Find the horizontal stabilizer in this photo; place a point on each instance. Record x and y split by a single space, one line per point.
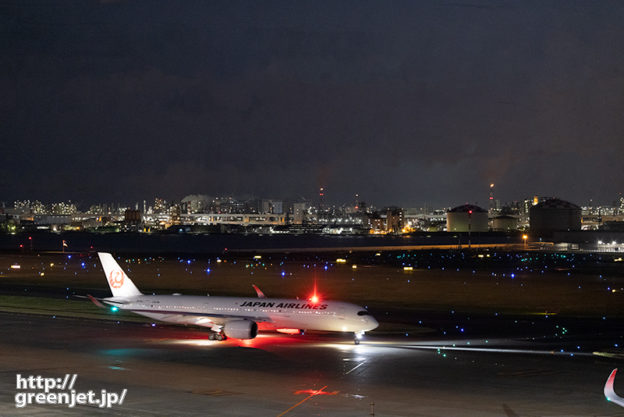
95 301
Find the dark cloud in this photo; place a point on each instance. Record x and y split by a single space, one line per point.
404 102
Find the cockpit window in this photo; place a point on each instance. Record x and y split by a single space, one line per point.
362 313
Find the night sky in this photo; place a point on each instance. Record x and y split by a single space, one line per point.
405 103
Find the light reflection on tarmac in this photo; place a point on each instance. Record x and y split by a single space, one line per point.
178 371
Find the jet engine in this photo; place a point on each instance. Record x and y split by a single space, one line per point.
241 329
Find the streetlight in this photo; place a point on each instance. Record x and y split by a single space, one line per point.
524 239
469 226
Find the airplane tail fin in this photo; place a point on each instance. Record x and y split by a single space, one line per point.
119 282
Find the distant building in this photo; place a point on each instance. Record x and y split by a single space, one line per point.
160 205
132 216
376 222
271 207
554 215
52 219
467 218
195 203
613 226
63 208
394 220
299 213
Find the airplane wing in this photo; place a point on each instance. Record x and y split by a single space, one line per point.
609 392
198 319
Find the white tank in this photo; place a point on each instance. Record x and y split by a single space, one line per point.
504 223
467 218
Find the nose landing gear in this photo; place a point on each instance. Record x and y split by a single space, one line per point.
357 336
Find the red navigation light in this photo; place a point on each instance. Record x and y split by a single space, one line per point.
29 237
314 298
21 246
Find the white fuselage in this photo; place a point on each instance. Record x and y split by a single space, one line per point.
271 313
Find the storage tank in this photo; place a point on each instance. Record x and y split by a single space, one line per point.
554 215
504 223
467 218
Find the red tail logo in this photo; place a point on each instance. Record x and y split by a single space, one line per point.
116 278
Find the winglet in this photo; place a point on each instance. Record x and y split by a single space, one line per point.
258 291
609 392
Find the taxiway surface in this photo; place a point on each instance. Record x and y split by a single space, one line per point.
176 371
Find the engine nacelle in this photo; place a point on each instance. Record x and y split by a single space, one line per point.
241 329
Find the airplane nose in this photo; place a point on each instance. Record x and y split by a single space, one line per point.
372 323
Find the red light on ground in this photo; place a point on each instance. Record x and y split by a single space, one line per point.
247 342
21 246
29 237
469 211
288 331
316 392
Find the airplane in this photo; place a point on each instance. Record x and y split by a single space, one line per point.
233 316
609 392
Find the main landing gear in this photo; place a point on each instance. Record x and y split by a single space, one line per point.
217 336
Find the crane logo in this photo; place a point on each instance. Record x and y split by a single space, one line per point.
116 278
